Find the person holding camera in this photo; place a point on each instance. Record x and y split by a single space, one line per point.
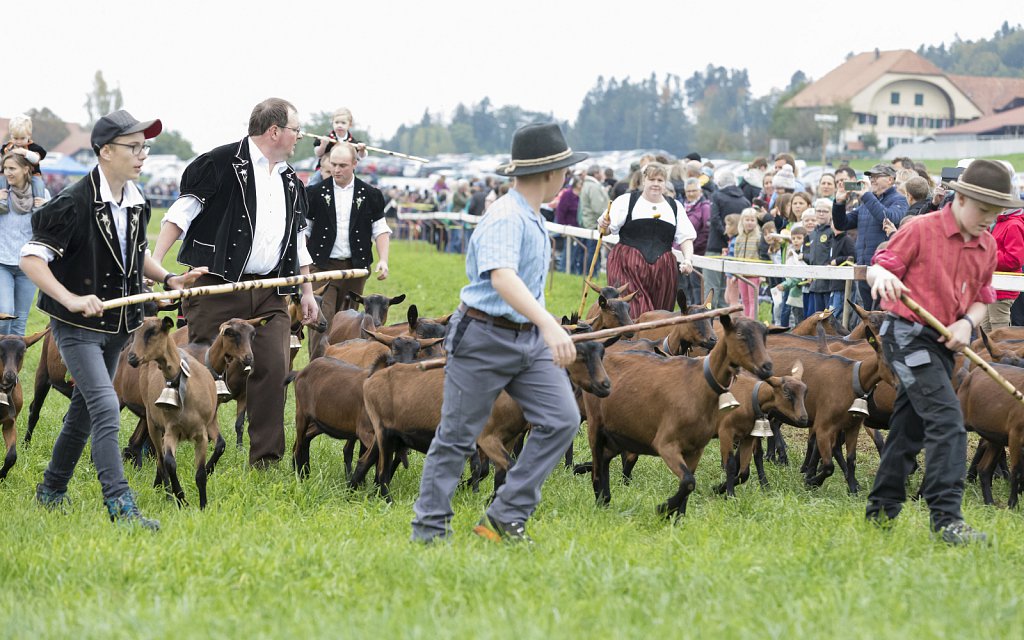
879 201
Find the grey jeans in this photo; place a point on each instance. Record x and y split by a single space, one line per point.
91 358
482 360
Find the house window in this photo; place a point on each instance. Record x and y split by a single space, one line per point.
894 97
918 99
892 120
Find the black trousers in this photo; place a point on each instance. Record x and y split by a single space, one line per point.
926 415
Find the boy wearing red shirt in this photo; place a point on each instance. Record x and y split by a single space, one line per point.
945 260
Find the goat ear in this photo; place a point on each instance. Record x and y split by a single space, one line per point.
35 337
994 351
355 297
612 340
593 286
320 291
822 341
412 316
443 319
726 321
774 381
259 322
397 299
424 344
798 370
861 311
380 337
602 302
681 300
166 324
709 298
629 297
564 321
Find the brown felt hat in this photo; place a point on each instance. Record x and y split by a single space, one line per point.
989 182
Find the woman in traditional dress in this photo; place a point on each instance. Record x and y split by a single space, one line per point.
654 235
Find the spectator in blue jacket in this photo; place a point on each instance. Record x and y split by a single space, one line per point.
879 201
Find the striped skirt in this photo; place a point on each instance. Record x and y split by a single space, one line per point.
655 284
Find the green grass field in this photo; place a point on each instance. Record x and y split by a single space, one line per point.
273 557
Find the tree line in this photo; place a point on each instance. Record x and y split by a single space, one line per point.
712 111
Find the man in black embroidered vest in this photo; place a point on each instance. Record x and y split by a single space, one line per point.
241 214
89 245
345 215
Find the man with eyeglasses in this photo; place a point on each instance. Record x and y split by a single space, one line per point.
879 201
241 214
89 245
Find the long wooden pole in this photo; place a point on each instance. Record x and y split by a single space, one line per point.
265 283
386 152
593 263
435 363
934 323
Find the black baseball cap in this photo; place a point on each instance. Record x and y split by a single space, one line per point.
881 170
121 123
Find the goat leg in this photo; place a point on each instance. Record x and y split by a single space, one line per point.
11 442
348 451
762 477
171 467
629 460
777 443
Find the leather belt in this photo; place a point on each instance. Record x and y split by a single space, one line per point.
245 277
497 321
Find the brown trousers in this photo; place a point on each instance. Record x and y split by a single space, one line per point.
265 391
336 294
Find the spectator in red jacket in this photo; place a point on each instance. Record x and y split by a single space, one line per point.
1009 234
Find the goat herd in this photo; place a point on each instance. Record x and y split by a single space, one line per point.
663 392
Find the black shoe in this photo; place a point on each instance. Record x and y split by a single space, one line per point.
960 534
495 531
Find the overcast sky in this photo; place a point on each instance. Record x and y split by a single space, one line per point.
202 65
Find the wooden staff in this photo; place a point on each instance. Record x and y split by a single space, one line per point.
386 152
934 323
593 262
435 363
265 283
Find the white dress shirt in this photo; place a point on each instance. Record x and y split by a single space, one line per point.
342 249
269 232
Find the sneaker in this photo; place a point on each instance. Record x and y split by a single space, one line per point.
123 510
495 531
960 533
52 500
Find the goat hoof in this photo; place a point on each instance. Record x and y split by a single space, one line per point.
582 468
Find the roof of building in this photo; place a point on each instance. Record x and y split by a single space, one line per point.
990 94
850 78
987 124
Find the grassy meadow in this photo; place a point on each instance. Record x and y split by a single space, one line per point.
275 557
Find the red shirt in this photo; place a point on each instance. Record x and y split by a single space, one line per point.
944 273
1009 234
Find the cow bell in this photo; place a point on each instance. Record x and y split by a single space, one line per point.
762 428
223 393
727 401
168 397
3 399
859 407
295 343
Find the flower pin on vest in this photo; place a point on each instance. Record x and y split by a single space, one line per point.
359 202
105 221
245 175
327 198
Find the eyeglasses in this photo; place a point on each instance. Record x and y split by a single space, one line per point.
297 131
136 148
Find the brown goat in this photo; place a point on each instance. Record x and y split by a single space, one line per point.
667 407
229 358
830 393
778 396
12 358
166 366
999 419
679 339
404 407
51 373
350 323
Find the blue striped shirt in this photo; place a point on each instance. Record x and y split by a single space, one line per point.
511 235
